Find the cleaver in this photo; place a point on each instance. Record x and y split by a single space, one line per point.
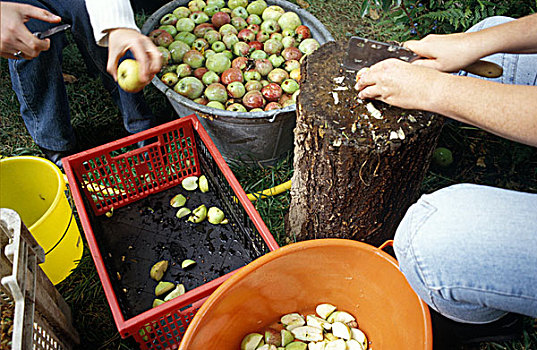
365 52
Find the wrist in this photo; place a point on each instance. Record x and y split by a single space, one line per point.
433 98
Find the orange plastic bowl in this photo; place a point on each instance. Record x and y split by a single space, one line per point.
356 277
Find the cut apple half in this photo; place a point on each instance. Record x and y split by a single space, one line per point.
190 183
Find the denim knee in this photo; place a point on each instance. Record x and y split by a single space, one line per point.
456 247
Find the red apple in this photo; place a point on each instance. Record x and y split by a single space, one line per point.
254 28
246 35
240 63
302 32
160 37
230 75
263 66
284 98
220 18
291 53
253 99
256 45
201 29
272 105
198 72
272 92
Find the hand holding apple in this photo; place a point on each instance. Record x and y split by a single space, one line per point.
147 55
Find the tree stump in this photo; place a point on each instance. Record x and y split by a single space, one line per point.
357 166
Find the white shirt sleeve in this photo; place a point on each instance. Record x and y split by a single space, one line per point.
109 14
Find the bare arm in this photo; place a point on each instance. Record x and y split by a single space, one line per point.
451 52
505 110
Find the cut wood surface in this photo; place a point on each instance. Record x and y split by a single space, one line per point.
358 165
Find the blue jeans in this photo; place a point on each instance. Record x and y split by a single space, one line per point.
39 84
470 251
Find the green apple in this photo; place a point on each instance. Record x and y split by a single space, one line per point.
236 3
186 37
215 104
273 12
289 20
218 63
181 12
257 7
128 76
190 87
177 50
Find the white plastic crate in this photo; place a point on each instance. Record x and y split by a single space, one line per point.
41 317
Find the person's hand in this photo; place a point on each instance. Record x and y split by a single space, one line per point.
146 53
15 36
398 83
446 53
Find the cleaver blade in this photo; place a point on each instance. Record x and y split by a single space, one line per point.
363 52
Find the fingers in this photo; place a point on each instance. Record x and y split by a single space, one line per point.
113 60
38 13
370 92
149 58
143 49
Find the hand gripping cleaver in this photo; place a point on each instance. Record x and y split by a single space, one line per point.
365 52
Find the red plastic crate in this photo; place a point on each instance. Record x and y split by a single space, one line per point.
120 175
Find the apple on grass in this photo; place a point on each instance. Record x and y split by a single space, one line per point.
128 76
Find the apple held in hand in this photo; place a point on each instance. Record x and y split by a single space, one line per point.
128 76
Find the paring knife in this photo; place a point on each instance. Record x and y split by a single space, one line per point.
52 31
365 52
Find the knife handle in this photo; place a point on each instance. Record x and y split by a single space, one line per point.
484 69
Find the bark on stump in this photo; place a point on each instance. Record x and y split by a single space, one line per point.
355 172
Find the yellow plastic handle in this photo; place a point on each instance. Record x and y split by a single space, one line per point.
270 191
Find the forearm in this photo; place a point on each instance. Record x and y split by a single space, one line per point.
509 111
518 36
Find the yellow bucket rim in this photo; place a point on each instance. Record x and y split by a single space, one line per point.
59 176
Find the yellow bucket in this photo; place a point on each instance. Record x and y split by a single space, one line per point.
35 188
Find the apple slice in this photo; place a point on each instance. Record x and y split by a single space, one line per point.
215 215
179 290
204 184
338 344
286 337
190 183
340 316
267 347
341 330
293 319
199 214
314 321
178 201
187 263
324 310
251 341
181 213
308 333
317 345
163 288
157 302
273 337
296 345
354 345
157 271
359 336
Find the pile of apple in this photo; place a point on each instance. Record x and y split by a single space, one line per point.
240 57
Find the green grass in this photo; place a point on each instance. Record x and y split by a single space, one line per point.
479 158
